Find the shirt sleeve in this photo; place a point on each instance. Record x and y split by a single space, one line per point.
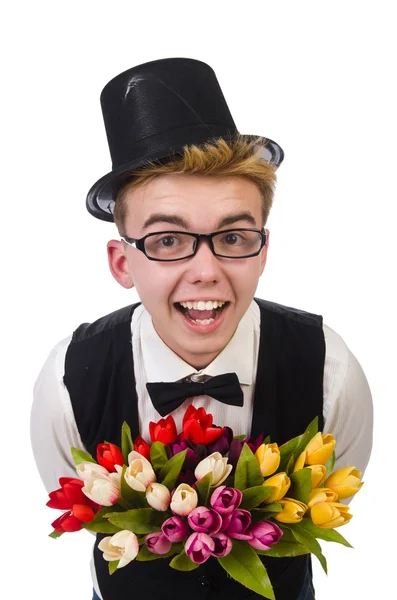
53 429
348 410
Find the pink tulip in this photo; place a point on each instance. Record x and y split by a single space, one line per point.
264 535
225 499
205 520
158 543
175 529
199 547
223 544
238 525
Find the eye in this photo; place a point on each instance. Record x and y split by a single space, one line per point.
167 241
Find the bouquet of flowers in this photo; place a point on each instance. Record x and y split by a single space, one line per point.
204 494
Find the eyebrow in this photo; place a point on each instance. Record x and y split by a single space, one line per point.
181 222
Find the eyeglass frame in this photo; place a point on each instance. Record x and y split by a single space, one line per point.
139 244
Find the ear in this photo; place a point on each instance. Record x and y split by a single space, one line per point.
118 264
264 250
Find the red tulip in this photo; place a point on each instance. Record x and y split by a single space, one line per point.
197 426
142 447
109 455
70 497
163 431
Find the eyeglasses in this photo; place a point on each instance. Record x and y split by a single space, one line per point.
177 245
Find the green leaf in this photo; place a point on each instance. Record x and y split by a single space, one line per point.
182 562
287 451
127 445
282 549
171 470
248 473
100 524
301 485
329 535
113 566
244 565
265 512
158 455
203 487
254 496
79 456
55 534
240 437
305 538
138 520
144 553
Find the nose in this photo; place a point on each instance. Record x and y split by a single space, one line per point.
204 265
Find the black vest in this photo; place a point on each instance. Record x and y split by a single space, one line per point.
99 376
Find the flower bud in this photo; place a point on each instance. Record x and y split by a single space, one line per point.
321 495
268 457
216 464
319 473
175 529
345 482
99 485
292 512
264 534
139 473
223 544
205 520
184 500
122 546
238 523
225 499
199 547
158 543
320 449
280 484
330 514
158 496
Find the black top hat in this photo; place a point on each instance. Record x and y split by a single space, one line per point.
152 111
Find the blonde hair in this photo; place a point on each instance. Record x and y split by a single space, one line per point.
239 157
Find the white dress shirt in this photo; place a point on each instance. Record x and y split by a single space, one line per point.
347 404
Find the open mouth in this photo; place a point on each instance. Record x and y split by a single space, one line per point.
201 317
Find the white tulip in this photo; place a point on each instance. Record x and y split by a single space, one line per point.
184 500
139 473
122 546
100 486
158 496
216 464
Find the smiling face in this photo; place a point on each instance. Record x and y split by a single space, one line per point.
201 203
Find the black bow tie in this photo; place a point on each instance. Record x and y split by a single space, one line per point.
166 397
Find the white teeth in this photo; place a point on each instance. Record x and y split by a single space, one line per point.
200 305
204 322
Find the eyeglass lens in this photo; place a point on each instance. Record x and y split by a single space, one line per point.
168 246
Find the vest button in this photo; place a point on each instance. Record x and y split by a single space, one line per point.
203 580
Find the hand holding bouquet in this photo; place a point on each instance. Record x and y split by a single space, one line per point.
204 494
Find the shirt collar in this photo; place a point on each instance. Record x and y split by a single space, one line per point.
162 364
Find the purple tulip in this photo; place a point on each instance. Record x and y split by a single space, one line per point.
264 535
158 543
199 547
192 459
238 525
222 444
223 544
204 520
175 529
236 447
225 499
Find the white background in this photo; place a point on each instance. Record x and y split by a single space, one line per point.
319 78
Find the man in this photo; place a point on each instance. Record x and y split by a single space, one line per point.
190 197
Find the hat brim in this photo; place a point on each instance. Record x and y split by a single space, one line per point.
102 195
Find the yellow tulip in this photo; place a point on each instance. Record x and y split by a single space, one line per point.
280 484
321 495
320 449
345 482
330 514
293 511
317 451
268 457
319 473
